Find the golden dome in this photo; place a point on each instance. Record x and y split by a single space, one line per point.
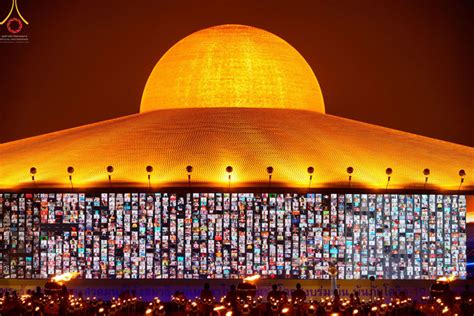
232 66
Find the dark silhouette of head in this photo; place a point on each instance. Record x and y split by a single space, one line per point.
298 286
206 286
274 287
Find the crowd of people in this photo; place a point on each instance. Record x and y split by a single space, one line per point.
240 300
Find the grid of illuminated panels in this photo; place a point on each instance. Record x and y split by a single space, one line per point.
230 235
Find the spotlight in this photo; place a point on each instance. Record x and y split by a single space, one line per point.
229 170
270 171
350 170
70 170
388 172
110 169
33 172
189 169
462 174
310 172
426 172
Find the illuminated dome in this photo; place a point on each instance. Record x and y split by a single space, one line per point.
232 66
233 96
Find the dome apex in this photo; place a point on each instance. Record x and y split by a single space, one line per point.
232 66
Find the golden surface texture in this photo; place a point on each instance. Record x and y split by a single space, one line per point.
249 140
232 66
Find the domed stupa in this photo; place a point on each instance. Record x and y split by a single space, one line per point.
237 96
232 66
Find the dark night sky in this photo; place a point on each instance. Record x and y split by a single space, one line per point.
406 65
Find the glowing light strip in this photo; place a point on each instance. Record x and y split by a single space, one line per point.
14 5
9 13
19 14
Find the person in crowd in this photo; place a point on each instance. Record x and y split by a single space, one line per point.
38 294
320 311
6 297
178 303
380 295
206 299
356 297
124 295
206 293
466 294
298 295
64 292
178 295
352 299
283 295
232 296
466 306
403 295
336 301
274 295
246 290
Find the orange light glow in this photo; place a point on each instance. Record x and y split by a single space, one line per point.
232 66
219 308
65 277
445 279
252 278
249 140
